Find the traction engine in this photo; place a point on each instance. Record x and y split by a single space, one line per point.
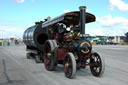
63 41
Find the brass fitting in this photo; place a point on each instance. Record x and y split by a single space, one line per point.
82 7
66 65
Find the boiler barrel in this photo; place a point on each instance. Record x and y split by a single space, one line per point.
35 37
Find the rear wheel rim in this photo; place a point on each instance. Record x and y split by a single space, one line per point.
47 58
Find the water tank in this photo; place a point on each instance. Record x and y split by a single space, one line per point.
35 37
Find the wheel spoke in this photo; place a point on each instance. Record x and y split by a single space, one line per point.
69 70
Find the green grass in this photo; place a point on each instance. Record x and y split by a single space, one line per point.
124 43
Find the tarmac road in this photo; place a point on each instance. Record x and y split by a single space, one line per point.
15 69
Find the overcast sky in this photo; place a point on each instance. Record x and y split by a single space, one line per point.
18 15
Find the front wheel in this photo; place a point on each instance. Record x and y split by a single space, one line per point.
97 66
69 65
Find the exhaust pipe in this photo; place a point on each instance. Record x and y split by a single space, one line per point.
82 21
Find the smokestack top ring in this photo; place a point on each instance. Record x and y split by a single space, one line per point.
82 7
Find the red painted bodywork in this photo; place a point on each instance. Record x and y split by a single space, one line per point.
61 53
55 36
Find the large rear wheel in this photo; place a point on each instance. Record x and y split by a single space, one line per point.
49 59
69 65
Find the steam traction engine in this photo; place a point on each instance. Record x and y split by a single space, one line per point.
64 42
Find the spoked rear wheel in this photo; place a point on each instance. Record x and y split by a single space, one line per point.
69 65
49 60
97 66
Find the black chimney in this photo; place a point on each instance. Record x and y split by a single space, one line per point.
82 21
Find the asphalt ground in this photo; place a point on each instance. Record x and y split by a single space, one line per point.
16 69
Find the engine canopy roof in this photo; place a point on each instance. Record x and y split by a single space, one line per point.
70 18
